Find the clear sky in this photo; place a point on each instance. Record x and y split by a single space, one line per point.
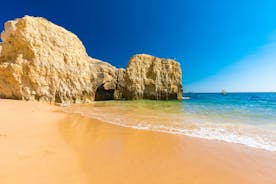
220 44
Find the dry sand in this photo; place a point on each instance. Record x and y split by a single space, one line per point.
39 144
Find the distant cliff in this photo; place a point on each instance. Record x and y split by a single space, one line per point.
42 61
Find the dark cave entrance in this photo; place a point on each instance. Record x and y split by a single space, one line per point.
103 94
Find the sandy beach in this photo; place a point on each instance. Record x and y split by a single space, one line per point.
40 144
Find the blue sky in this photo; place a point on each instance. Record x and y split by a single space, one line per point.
220 44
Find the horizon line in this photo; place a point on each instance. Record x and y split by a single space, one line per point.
231 92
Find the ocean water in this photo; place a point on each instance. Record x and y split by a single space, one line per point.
243 118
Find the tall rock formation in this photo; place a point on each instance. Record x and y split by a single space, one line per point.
149 77
43 61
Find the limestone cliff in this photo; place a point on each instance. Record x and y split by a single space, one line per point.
42 61
110 80
45 62
120 84
149 77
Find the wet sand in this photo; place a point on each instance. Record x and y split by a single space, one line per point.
39 144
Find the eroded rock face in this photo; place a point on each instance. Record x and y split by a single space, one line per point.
149 77
43 61
110 80
119 92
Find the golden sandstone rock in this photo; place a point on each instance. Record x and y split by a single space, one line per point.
110 80
149 77
42 61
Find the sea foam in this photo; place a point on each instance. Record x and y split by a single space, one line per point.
211 133
247 119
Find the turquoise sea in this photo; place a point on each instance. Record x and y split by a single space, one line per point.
243 118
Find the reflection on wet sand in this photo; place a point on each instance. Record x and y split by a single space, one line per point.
114 154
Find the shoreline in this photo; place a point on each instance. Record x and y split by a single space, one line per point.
176 132
110 112
41 144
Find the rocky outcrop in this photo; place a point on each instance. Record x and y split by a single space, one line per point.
110 80
120 84
42 61
149 77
